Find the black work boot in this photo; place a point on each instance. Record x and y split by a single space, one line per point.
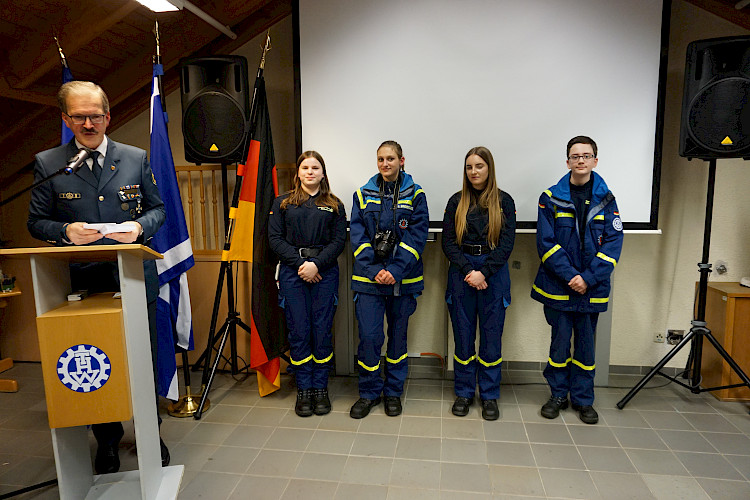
490 411
551 408
461 406
362 407
392 406
304 406
586 413
321 402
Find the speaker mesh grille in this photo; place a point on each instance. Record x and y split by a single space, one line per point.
719 111
213 119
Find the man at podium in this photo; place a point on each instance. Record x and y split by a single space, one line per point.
113 185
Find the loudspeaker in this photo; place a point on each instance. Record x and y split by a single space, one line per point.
215 108
715 119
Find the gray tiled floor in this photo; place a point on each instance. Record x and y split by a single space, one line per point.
667 444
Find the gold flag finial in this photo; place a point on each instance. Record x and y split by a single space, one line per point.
62 55
266 48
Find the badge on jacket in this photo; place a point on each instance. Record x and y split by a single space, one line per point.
69 196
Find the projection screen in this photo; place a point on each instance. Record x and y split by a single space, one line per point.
519 77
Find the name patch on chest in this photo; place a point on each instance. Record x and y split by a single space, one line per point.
69 196
327 209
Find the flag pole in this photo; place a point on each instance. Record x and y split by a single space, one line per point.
187 404
62 54
228 329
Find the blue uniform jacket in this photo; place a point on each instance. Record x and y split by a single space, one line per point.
412 225
78 197
564 255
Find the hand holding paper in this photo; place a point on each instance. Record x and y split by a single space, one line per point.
126 232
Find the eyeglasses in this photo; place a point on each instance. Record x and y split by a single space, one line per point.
81 119
577 157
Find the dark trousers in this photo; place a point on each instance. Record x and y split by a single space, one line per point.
571 374
370 310
309 310
465 305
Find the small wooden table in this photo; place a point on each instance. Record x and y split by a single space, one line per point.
728 318
7 385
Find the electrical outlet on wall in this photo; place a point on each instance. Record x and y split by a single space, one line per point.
674 337
659 337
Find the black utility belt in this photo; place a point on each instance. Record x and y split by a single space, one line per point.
307 253
476 249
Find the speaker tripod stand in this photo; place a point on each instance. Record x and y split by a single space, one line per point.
699 330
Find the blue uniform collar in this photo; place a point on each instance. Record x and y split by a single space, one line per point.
599 190
372 184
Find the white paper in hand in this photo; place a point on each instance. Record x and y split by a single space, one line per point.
111 227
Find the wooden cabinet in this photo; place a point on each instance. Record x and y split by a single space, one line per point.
728 318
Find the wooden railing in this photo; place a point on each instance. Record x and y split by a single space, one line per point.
202 193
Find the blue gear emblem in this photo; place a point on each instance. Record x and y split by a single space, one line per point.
83 368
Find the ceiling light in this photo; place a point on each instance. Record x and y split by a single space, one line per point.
159 5
172 5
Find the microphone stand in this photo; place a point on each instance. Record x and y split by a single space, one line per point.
63 170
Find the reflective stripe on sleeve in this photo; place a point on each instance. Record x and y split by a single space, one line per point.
361 247
550 252
607 258
564 214
598 300
410 249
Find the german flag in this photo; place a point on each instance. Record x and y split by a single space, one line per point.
249 243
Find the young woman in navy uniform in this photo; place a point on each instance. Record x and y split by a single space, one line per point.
307 229
479 228
389 228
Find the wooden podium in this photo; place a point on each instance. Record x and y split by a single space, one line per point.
93 352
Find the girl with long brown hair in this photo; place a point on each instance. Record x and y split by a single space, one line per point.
479 228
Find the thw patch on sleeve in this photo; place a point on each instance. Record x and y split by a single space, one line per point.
617 224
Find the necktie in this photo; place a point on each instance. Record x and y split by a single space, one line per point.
95 168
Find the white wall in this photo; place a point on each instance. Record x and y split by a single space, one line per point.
654 281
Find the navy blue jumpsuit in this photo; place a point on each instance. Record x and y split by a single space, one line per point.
308 307
465 303
373 209
567 251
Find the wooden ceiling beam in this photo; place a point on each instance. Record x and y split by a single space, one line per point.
725 10
40 54
26 95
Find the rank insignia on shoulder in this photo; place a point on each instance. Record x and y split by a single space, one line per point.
153 179
327 209
69 196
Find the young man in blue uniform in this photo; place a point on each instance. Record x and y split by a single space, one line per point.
579 239
115 186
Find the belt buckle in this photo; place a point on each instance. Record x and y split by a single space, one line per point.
476 250
299 251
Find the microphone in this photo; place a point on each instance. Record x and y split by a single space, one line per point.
76 161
